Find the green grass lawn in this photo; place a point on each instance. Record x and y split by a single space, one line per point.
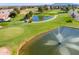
14 21
54 11
17 32
50 12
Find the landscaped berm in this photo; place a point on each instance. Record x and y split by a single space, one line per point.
40 30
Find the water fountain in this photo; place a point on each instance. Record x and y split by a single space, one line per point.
61 41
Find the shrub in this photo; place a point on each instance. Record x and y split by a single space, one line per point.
12 14
4 24
17 10
40 9
30 13
69 21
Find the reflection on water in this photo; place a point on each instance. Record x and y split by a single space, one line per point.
64 51
63 41
73 46
51 42
74 40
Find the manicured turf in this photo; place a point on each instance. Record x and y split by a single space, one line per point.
10 33
21 31
50 12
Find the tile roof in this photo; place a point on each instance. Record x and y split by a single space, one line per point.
5 13
4 16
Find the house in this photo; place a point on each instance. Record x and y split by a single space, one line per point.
4 14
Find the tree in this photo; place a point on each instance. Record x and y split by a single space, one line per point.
45 7
66 9
17 10
40 9
30 20
69 21
30 13
26 16
51 7
23 7
12 14
69 6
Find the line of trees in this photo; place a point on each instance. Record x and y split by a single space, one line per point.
43 8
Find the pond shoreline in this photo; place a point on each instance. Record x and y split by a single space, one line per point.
46 20
31 40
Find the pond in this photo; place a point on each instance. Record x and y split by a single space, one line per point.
60 41
41 18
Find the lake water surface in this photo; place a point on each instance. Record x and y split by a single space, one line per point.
41 18
49 44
